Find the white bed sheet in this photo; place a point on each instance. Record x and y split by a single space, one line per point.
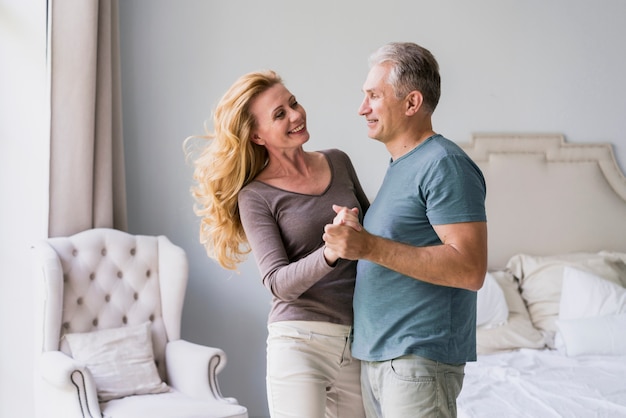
543 383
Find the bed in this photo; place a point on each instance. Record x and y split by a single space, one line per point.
551 318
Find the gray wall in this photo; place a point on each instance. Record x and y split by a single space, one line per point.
507 66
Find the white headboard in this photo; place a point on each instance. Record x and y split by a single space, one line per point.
546 197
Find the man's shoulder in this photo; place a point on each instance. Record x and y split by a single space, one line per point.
445 146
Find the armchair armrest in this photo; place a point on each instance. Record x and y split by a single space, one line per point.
68 382
193 369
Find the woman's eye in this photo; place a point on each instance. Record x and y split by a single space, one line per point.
294 105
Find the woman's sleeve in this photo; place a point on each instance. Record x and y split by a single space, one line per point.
358 189
286 280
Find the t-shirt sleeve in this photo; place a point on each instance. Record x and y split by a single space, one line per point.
454 191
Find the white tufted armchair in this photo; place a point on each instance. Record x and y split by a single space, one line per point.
103 282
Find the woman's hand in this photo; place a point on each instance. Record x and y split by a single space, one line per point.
348 217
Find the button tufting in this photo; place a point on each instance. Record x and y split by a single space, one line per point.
136 296
74 252
92 276
132 251
152 317
66 325
65 277
104 251
95 322
124 319
148 273
107 298
120 274
79 301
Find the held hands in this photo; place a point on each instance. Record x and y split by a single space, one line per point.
344 237
348 217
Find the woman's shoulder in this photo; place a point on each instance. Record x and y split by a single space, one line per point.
252 190
335 153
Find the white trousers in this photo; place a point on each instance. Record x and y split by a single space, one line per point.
311 372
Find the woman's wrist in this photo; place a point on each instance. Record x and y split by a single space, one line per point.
330 257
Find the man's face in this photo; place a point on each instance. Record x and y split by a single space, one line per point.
382 110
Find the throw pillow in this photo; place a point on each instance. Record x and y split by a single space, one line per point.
121 360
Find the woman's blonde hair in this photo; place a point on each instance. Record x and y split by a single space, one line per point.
226 163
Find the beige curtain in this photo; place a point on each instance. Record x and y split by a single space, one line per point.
87 182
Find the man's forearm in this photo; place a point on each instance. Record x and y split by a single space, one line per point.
455 264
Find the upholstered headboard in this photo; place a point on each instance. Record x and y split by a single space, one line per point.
545 196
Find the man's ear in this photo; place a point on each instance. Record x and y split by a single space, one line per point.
414 101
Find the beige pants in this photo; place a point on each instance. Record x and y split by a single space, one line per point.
411 387
311 372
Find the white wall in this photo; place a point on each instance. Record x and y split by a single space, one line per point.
23 187
507 66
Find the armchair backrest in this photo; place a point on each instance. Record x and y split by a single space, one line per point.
104 278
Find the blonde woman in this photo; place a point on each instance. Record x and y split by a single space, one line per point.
258 189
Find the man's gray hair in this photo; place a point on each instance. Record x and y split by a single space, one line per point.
412 68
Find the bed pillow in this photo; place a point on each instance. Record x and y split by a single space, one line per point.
602 335
592 315
518 331
586 295
121 360
541 280
491 307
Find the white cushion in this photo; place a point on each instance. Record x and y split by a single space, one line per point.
585 294
121 360
518 331
541 279
491 307
602 335
172 404
592 315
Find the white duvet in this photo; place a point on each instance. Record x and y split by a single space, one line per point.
543 383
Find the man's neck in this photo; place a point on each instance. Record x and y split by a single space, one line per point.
404 145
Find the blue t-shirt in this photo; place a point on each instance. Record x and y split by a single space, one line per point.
395 315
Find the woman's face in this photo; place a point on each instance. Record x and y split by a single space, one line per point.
280 120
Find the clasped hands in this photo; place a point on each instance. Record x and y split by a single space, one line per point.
345 237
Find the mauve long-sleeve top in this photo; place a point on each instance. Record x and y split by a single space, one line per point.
285 231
